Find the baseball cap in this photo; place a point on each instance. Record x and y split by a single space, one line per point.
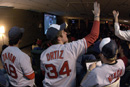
54 29
108 48
15 32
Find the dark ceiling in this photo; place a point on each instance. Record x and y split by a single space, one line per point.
72 8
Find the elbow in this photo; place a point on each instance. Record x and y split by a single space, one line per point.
117 33
95 36
31 76
91 38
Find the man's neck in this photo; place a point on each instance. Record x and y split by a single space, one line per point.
14 45
109 62
60 42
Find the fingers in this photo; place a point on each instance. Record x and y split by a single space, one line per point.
117 12
95 64
114 12
92 66
96 10
96 4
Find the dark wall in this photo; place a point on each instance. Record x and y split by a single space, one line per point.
28 20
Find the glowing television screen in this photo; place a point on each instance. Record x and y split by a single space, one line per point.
48 20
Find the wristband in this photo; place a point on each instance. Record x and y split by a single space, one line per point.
96 16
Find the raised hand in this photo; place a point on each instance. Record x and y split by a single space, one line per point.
96 10
115 14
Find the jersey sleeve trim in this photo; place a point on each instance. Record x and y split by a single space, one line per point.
31 76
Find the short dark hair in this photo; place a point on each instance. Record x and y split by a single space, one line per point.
59 34
15 41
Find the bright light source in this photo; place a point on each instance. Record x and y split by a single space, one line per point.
1 35
2 30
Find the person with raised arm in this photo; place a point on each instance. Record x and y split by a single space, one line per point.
124 35
58 62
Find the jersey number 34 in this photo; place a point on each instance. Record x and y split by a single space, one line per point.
54 74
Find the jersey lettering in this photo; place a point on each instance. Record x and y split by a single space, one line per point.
117 74
52 73
61 52
55 55
9 56
11 70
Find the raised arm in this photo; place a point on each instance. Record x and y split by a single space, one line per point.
124 35
115 14
93 36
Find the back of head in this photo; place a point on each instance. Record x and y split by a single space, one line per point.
108 48
15 34
54 29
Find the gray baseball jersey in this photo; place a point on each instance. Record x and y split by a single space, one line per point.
104 75
59 63
17 65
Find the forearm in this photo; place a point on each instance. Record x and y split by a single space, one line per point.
93 36
116 19
85 76
89 80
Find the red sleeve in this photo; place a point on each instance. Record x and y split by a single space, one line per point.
93 36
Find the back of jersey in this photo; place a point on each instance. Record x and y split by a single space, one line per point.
59 64
13 60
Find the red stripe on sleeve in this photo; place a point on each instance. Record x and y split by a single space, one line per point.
31 76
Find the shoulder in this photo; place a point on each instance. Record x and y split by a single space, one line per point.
100 69
120 61
97 70
76 43
23 55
